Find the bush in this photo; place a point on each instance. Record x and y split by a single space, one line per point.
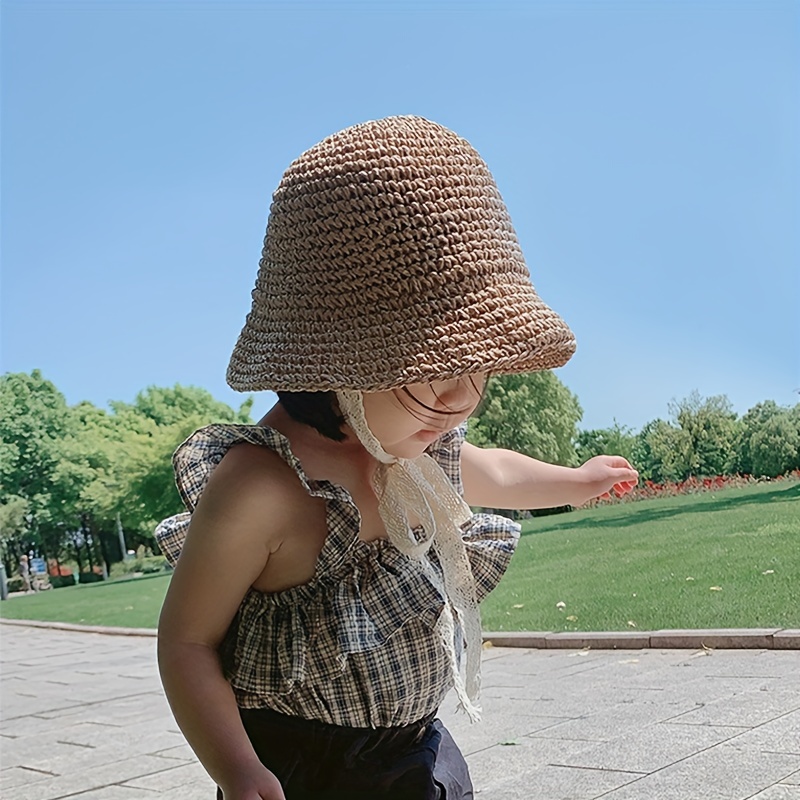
15 584
147 565
54 569
89 577
57 581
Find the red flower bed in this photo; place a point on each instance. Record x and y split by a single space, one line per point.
647 490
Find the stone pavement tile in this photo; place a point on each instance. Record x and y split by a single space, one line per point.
111 714
615 721
606 677
778 791
723 772
763 663
525 664
32 725
19 776
61 753
196 790
131 739
60 701
113 792
181 753
119 711
503 766
66 706
781 735
699 671
505 678
793 779
17 704
62 758
701 692
43 753
84 779
549 783
538 701
647 749
173 779
746 709
497 729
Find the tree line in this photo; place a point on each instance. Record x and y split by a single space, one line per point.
73 478
702 438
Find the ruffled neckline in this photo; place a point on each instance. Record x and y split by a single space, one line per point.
208 445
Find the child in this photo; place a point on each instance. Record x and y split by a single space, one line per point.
330 568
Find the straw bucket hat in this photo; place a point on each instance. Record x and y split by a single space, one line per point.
390 259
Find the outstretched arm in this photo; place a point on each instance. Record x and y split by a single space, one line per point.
495 478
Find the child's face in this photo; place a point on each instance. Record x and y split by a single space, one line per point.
407 420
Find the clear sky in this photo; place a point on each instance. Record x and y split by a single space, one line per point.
649 154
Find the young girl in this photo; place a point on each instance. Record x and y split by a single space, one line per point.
330 567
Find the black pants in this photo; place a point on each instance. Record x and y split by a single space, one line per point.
315 761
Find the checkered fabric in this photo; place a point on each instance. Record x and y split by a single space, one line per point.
356 645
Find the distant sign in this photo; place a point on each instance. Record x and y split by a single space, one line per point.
38 566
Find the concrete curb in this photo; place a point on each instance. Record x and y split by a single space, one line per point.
720 638
69 626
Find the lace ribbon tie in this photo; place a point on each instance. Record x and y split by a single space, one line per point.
402 484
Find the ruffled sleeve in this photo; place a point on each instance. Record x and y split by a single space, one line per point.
490 539
197 458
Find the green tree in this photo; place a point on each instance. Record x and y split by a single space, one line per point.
178 404
67 474
661 452
618 440
14 512
534 414
34 424
699 441
710 433
769 440
151 429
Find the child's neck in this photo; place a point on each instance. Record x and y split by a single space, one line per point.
320 456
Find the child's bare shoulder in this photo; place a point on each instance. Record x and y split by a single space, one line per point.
253 492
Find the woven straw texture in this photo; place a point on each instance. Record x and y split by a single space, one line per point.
390 259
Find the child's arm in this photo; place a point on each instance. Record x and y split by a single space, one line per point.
234 531
507 479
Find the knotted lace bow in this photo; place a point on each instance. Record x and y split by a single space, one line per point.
403 484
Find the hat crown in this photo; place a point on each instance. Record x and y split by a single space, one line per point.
389 256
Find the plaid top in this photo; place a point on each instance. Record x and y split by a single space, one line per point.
356 645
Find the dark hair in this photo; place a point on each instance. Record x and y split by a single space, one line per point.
404 392
320 410
316 409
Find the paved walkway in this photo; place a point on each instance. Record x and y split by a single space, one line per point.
83 716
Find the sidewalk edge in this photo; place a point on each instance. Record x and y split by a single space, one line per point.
715 638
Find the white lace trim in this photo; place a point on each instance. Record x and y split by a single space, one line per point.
402 484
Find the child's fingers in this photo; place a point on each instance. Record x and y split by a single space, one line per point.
623 487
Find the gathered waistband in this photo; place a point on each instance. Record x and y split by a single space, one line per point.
265 726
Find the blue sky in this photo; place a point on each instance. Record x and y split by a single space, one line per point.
649 154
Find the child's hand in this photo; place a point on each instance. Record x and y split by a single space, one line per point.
257 783
603 474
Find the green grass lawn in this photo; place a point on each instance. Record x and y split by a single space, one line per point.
125 603
610 566
652 564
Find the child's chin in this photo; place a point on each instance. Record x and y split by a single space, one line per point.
408 449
